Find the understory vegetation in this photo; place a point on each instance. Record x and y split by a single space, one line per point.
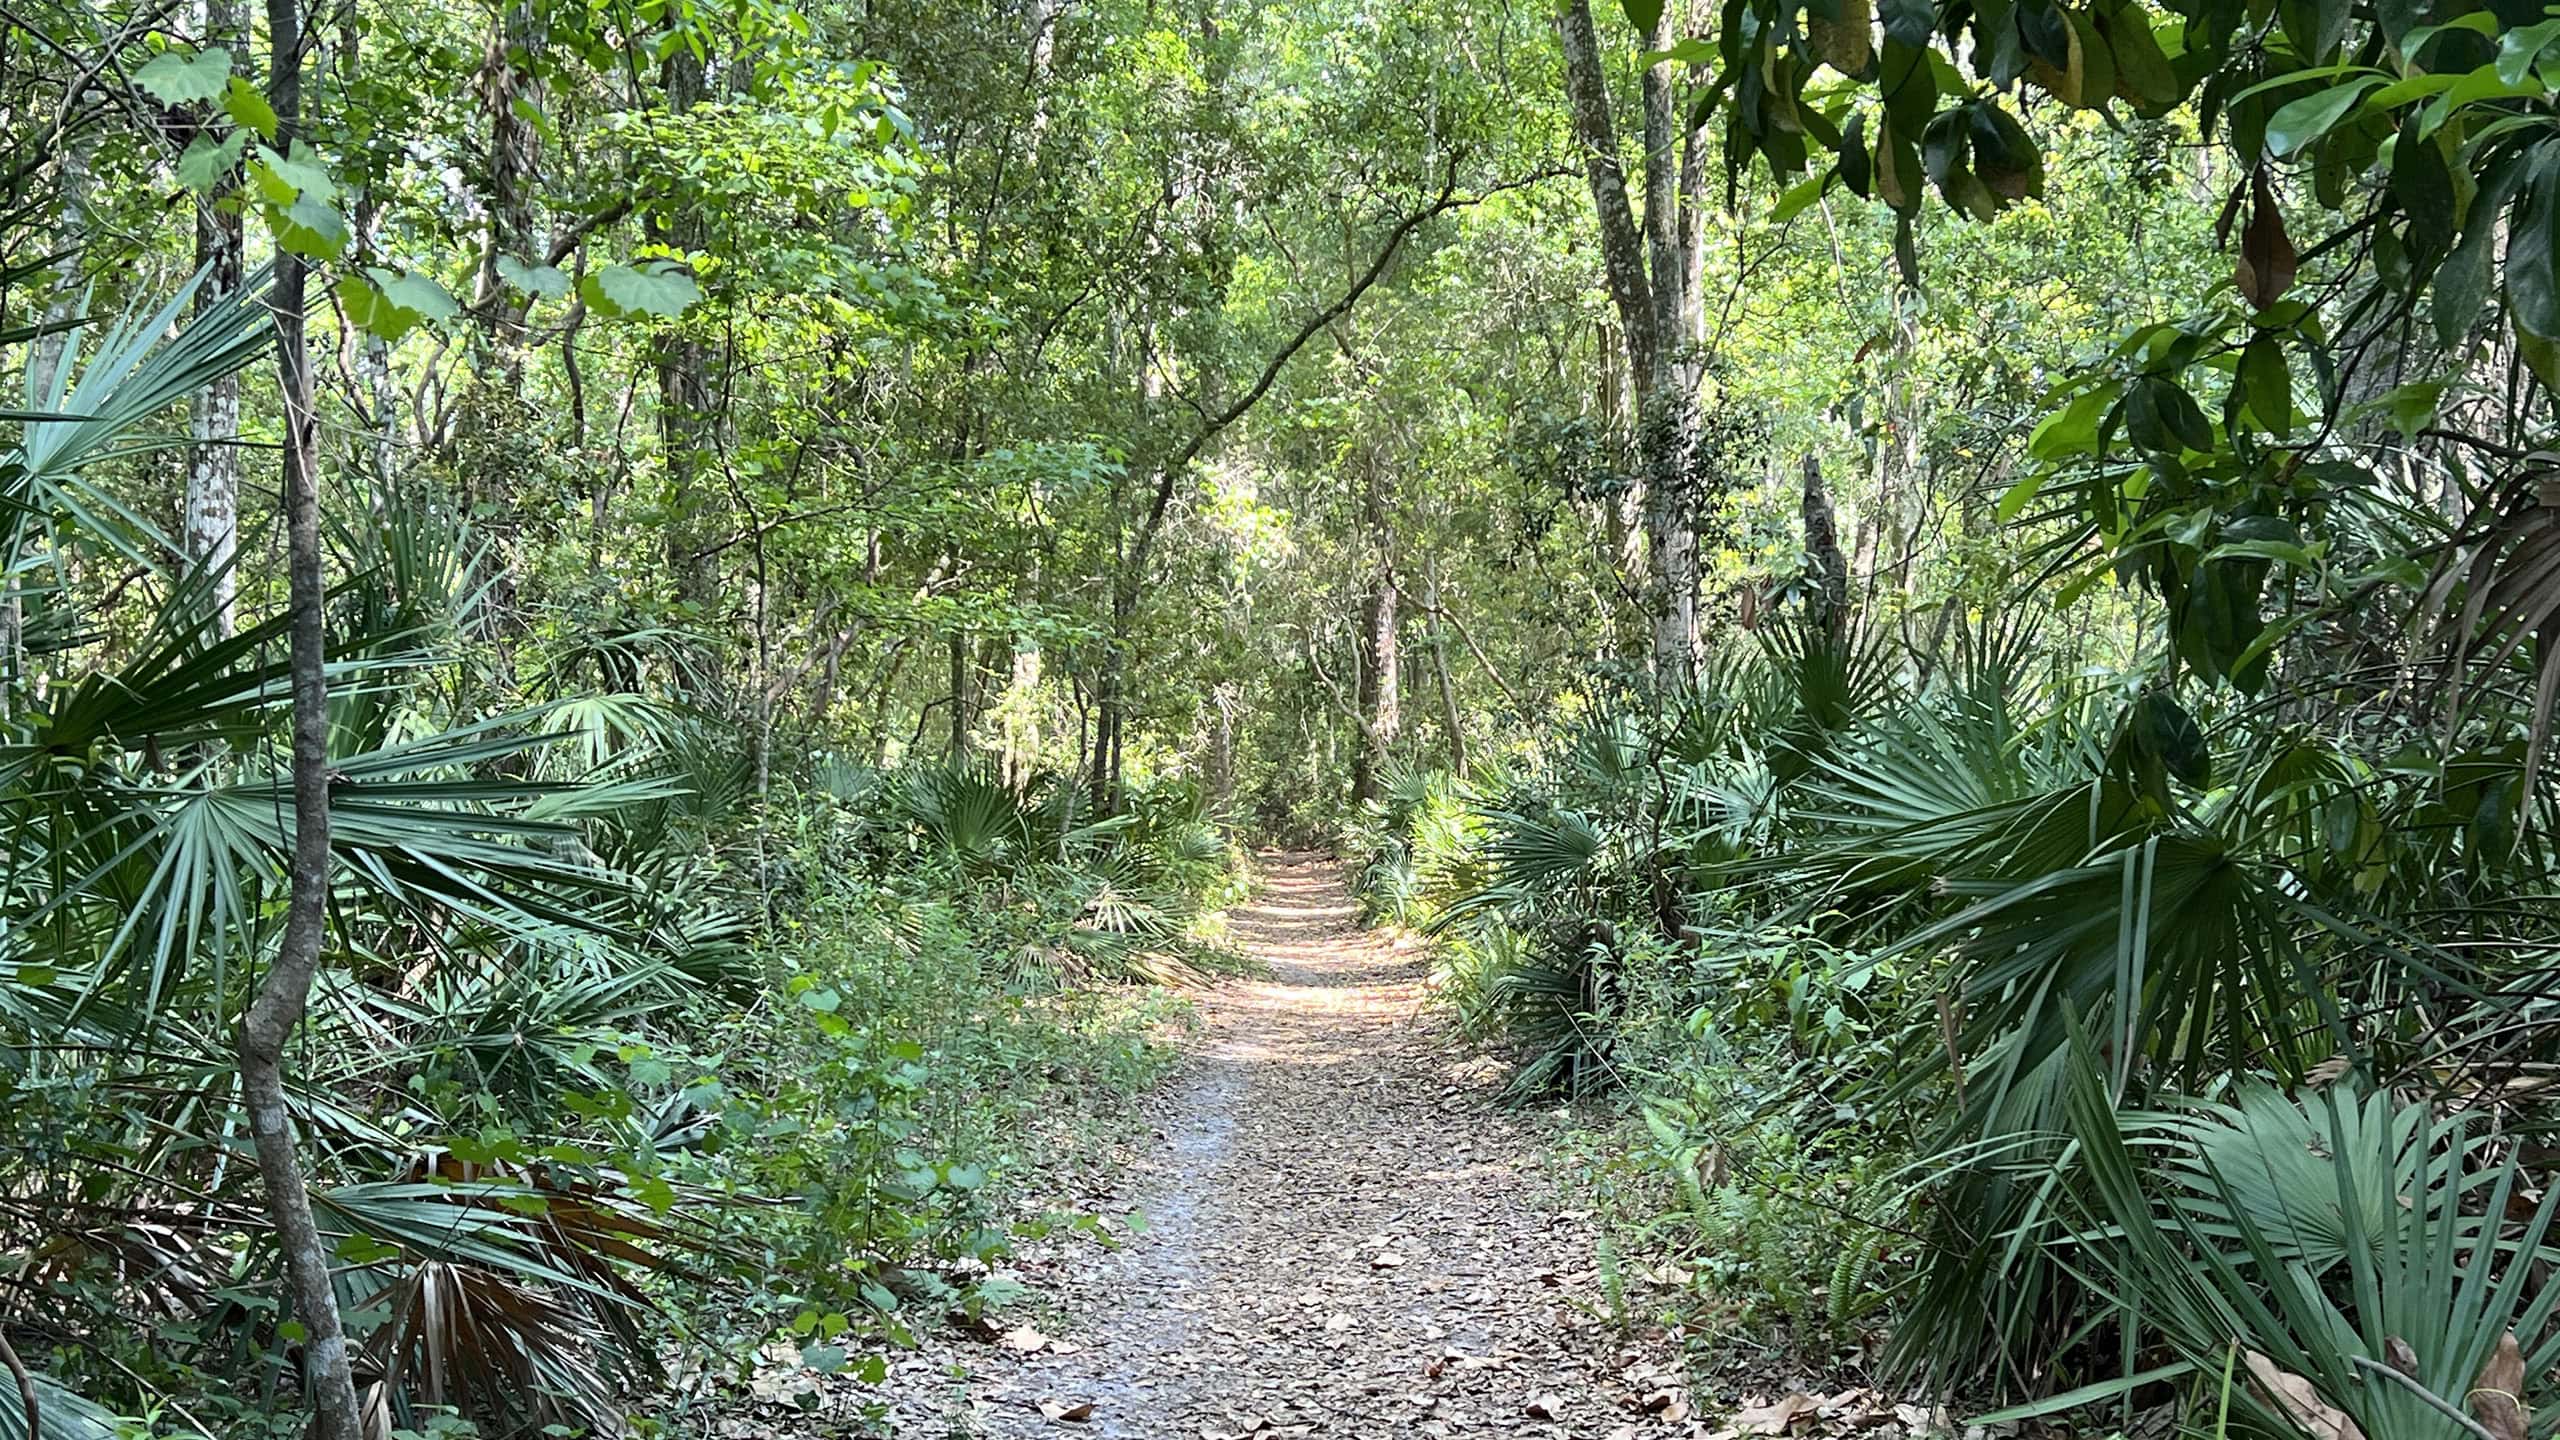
641 643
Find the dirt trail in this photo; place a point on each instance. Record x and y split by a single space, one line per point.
1342 1240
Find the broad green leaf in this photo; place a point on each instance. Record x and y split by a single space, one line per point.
249 108
1800 197
2314 115
208 162
546 281
2018 496
2413 407
180 78
622 291
2519 49
2533 253
1644 15
2462 281
416 293
285 179
311 228
2269 385
2479 22
2073 430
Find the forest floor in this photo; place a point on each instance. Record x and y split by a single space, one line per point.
1343 1237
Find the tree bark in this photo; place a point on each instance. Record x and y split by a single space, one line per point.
1222 750
211 530
685 407
959 696
1826 570
1650 270
1380 689
1449 718
286 990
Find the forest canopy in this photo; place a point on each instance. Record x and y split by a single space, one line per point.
639 640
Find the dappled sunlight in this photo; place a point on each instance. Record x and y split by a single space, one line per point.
1341 1238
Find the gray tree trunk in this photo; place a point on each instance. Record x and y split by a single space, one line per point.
285 992
211 528
685 407
1380 698
1651 271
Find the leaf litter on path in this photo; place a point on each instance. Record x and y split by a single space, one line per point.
1344 1239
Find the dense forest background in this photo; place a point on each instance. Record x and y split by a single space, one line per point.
638 637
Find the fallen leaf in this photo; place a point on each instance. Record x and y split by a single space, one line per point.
2300 1401
1544 1407
2497 1397
1025 1339
1776 1419
1072 1414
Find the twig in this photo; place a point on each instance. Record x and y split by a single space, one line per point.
2434 1401
26 1387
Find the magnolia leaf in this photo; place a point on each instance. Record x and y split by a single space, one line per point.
2267 260
2497 1396
2533 254
2268 383
2314 115
178 78
2018 496
1800 197
2144 75
1848 43
2300 1401
2168 734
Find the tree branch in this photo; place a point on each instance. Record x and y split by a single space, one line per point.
1170 474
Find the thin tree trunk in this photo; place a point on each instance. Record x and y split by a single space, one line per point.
1222 749
685 407
1826 570
286 991
1381 701
1449 719
211 532
1649 268
959 696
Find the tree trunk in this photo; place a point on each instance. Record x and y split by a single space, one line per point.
1222 750
211 530
1651 270
1380 698
959 696
1826 570
685 407
286 990
1449 719
1018 714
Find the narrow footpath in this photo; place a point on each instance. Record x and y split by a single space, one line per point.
1342 1238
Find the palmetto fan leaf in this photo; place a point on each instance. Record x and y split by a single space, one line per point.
156 873
2504 571
2383 1271
130 377
966 811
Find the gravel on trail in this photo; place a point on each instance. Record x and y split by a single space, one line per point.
1343 1237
